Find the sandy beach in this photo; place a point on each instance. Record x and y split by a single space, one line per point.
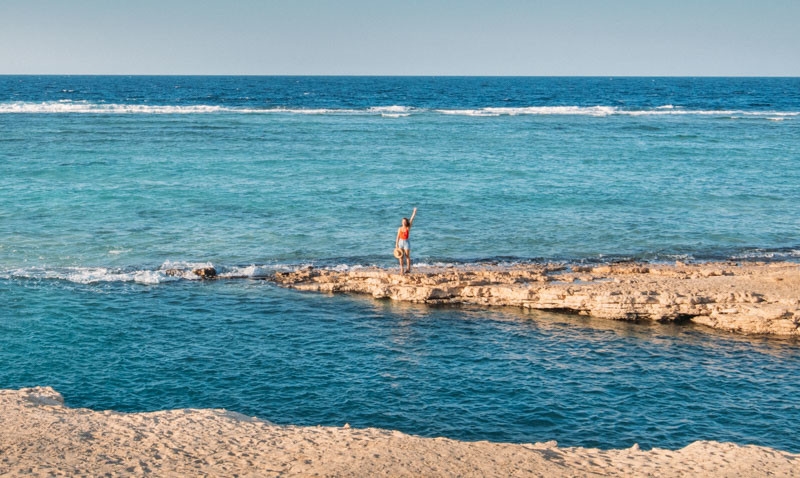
747 298
42 437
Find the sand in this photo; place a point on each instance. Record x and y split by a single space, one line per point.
42 437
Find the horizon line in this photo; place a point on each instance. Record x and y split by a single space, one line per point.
347 75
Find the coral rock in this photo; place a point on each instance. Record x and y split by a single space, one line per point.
753 298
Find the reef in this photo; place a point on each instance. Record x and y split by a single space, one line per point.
748 298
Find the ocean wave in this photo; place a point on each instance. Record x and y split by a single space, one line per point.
393 111
89 275
85 107
94 275
767 255
65 106
602 111
169 271
302 111
534 110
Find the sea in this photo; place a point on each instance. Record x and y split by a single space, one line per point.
106 182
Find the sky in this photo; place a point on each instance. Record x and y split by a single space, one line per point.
402 37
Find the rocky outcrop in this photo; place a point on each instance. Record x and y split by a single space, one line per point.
750 298
205 272
201 272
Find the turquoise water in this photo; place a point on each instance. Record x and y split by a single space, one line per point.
108 181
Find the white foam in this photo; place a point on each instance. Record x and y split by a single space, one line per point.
252 271
100 274
89 275
85 107
65 106
757 254
152 277
535 110
393 111
305 111
168 272
467 112
94 275
735 114
602 111
83 275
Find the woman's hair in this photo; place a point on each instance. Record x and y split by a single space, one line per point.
406 221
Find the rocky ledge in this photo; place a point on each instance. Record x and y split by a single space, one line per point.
748 298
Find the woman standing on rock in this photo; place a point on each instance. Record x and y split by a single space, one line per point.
402 244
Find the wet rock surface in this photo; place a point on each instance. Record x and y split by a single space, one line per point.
200 272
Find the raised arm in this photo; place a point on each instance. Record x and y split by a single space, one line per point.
411 221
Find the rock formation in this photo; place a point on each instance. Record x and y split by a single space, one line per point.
201 272
749 298
205 272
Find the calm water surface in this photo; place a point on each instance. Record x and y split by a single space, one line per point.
108 181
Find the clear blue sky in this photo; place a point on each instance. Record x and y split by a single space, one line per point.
402 37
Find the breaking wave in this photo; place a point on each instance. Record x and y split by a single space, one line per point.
600 111
85 107
393 111
167 272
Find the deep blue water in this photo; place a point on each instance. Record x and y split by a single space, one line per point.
108 181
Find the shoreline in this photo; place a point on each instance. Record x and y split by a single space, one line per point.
750 298
42 437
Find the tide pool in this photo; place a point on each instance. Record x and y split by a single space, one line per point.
465 373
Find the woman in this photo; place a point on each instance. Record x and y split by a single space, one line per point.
403 243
